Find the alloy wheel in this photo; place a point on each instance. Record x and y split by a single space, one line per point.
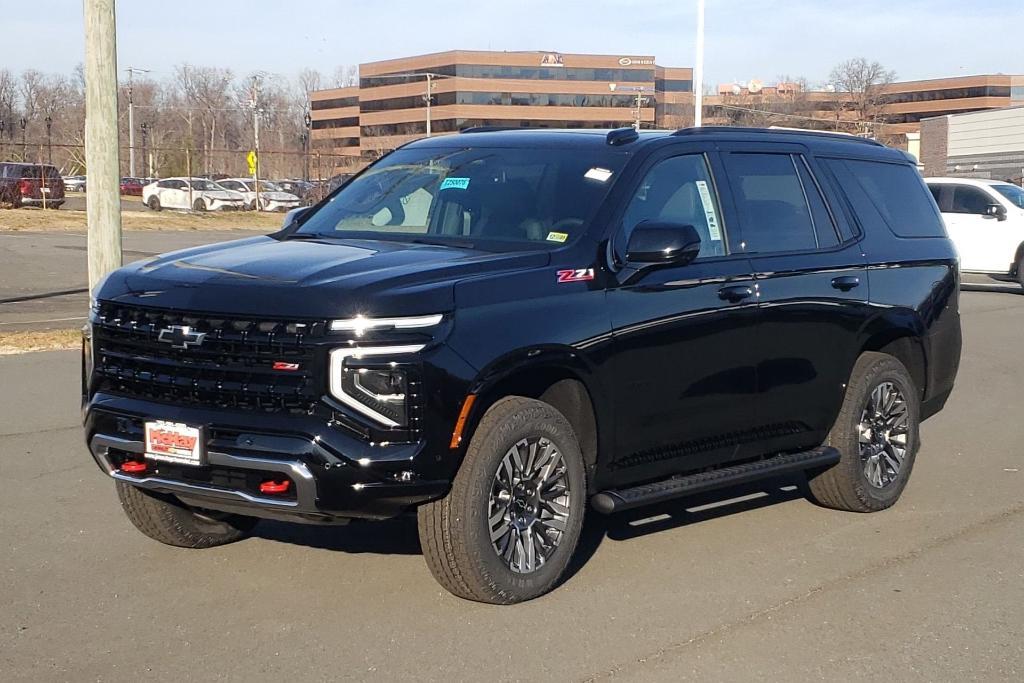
882 434
528 507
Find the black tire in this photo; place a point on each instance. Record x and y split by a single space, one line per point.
199 205
846 485
454 531
165 519
1020 268
251 206
154 203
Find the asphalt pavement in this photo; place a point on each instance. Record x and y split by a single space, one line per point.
43 275
748 584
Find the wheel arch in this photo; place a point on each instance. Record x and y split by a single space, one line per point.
557 376
902 342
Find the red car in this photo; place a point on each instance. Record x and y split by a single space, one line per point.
132 186
30 185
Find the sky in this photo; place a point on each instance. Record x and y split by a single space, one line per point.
745 38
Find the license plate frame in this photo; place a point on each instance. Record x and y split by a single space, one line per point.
175 442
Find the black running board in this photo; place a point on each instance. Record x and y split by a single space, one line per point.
617 500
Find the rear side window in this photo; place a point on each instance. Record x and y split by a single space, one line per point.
893 194
967 199
780 206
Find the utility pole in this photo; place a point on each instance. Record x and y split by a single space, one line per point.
256 136
698 70
131 119
307 142
103 201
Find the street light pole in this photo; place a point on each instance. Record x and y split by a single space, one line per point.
698 69
24 147
307 142
428 97
131 119
144 129
49 139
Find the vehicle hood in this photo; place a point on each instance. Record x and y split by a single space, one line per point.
320 278
279 196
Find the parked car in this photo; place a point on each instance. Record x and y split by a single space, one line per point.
197 194
24 184
494 329
132 186
300 188
74 183
985 220
271 197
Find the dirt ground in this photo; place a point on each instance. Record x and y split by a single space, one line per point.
45 340
30 218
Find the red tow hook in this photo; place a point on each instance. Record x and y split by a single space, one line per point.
274 487
133 466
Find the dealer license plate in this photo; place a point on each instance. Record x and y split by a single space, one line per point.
174 442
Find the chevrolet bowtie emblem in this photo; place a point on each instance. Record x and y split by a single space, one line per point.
181 336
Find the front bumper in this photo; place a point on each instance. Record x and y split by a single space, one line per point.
226 205
335 476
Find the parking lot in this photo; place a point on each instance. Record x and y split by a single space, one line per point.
747 584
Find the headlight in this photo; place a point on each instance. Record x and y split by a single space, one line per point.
375 388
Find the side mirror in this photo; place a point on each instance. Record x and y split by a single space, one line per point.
996 210
654 243
294 215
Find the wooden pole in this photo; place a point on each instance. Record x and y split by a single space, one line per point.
103 201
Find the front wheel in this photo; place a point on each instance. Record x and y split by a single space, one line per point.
199 205
1020 269
165 519
154 203
507 530
877 436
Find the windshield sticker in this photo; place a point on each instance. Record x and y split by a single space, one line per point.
455 184
709 210
557 236
599 174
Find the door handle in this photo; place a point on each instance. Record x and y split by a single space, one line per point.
735 293
845 283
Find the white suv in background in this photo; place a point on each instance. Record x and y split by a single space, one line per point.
985 219
198 194
272 197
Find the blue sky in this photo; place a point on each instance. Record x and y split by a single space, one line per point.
745 38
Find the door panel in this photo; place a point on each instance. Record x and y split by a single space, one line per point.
683 371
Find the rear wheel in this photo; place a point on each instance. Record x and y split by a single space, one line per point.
199 205
877 436
166 519
508 529
154 203
1020 269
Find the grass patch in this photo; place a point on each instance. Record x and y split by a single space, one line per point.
45 340
33 219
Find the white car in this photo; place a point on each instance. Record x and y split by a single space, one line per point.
74 183
272 197
985 220
198 194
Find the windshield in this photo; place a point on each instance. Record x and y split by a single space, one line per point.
267 186
539 196
205 185
1011 192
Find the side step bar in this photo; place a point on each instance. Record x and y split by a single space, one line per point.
617 500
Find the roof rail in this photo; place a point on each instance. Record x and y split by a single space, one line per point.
622 136
490 129
844 137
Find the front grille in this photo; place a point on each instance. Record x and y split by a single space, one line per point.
232 367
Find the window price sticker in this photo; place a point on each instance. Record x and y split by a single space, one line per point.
709 210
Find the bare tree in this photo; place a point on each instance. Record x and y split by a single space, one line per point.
863 84
345 76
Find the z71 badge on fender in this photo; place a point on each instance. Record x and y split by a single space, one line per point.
576 275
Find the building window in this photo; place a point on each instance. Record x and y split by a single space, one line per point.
336 123
946 94
673 85
517 72
336 103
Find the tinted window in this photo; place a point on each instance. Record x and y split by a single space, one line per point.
824 227
893 194
1011 192
967 199
771 203
679 190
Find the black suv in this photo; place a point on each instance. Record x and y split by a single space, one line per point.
493 328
